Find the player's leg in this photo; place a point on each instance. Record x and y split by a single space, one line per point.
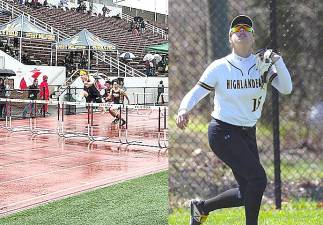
2 107
162 98
116 116
231 147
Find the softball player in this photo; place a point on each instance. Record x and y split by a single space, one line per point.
240 83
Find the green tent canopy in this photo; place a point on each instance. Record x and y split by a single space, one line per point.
160 48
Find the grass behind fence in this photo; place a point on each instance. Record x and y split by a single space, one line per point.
293 213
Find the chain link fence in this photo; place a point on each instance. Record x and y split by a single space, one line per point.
199 35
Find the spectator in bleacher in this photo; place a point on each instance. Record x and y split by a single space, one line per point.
142 27
62 3
83 62
6 48
2 95
1 46
32 95
81 7
147 67
34 3
44 93
152 65
117 16
135 30
104 10
45 4
16 54
16 42
25 59
166 32
131 26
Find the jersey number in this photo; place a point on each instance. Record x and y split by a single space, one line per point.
256 103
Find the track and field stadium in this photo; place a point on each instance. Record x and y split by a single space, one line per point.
64 157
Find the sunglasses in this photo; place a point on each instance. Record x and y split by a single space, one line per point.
238 27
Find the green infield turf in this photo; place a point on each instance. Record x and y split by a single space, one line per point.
142 201
293 213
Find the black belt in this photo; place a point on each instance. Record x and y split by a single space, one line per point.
234 126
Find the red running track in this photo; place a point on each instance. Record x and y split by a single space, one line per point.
39 169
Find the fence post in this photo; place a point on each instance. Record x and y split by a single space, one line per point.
275 110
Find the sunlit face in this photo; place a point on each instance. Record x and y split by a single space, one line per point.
242 38
84 77
115 85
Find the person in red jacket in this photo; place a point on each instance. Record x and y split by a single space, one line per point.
44 92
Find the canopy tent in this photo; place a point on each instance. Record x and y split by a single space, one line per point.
85 40
160 48
7 73
21 27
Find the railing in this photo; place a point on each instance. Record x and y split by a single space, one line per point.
127 70
153 28
120 66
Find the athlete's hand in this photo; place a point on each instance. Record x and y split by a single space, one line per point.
182 120
265 58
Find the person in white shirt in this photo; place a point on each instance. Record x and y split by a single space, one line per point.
240 83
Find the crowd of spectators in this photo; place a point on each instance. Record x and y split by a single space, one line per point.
76 60
13 51
137 25
154 67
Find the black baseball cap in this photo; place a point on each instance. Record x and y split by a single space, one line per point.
242 19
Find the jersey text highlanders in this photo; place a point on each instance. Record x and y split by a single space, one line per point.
239 89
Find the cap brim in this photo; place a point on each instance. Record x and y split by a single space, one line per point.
242 19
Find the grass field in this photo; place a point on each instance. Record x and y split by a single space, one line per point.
142 201
293 213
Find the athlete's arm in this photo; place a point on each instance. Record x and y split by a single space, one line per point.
189 101
89 82
282 80
126 96
206 84
192 98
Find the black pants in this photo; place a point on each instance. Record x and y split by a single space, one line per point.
160 94
237 147
2 109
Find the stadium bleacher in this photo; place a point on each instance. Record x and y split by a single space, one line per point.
71 22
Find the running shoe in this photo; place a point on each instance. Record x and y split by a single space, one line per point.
115 121
197 215
123 122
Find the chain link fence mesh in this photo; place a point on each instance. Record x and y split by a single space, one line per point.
199 35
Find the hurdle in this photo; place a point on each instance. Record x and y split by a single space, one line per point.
160 131
143 96
32 125
148 130
63 132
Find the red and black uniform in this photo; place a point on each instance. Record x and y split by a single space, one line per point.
93 93
116 96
